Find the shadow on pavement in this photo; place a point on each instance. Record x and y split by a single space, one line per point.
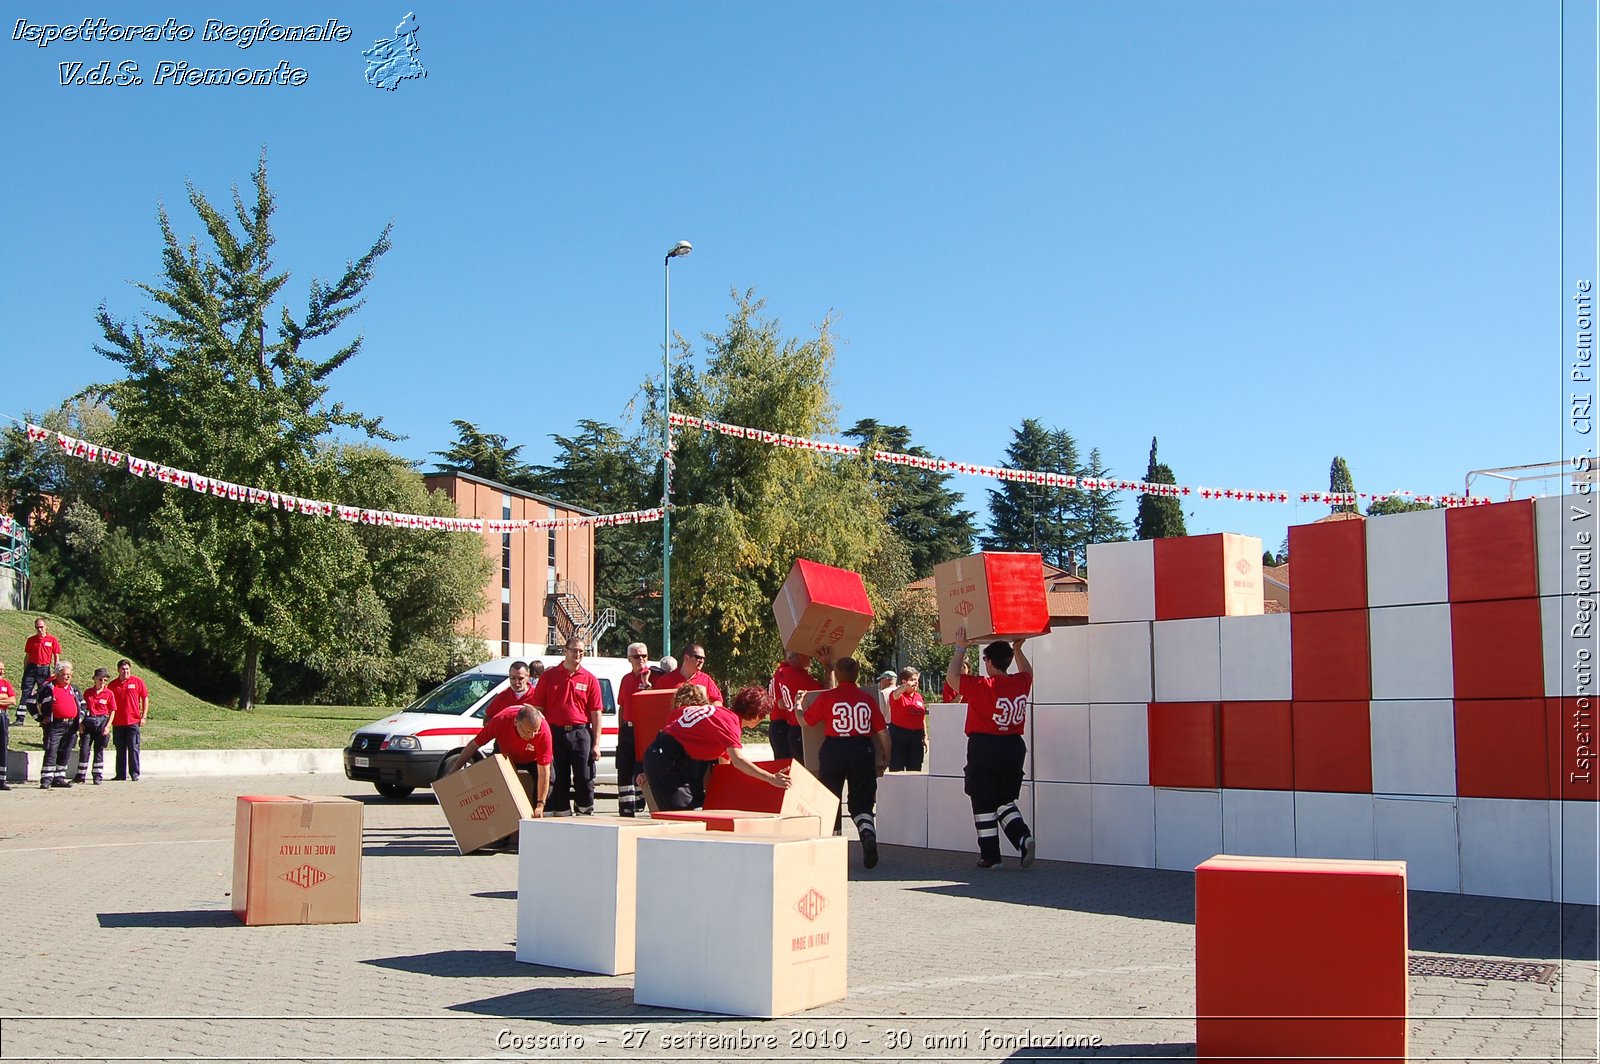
497 895
1502 927
470 964
172 918
574 1005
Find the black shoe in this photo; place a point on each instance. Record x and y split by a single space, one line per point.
80 779
4 786
869 849
1027 852
62 783
118 779
134 778
44 785
988 862
98 782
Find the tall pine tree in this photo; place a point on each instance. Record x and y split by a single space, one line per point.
1340 482
922 510
1099 516
1034 517
1160 516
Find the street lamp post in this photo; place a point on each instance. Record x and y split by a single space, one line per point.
682 247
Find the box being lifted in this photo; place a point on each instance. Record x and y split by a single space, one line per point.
822 606
483 803
994 595
296 860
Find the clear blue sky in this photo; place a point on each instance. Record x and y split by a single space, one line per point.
1268 233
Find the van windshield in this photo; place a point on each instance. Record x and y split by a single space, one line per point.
456 695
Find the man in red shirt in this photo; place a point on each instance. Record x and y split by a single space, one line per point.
789 684
39 655
8 700
60 707
521 733
94 727
638 679
518 693
690 660
908 723
569 695
856 745
997 712
133 706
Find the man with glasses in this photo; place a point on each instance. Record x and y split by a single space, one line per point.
569 696
8 699
690 660
638 679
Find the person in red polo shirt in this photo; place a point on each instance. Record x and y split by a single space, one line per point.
522 734
908 723
8 700
61 705
569 695
852 717
699 736
94 726
789 684
997 713
39 655
639 678
133 706
690 660
518 692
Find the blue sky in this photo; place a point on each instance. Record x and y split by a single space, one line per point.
1268 233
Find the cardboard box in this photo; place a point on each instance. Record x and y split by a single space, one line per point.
1492 552
1183 743
1332 745
1188 827
296 860
1122 581
483 803
822 606
993 595
577 880
1256 658
1330 566
651 711
786 896
744 821
1208 576
1406 559
728 788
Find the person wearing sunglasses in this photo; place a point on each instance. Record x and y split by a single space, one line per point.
640 677
691 659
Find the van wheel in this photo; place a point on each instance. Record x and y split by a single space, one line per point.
448 765
394 790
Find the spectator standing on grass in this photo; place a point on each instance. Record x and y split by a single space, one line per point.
855 751
639 678
569 695
789 685
8 701
997 713
60 707
908 723
133 707
94 726
697 737
39 656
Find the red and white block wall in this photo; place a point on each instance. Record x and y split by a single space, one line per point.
1421 701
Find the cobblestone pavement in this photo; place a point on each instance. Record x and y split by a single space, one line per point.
120 945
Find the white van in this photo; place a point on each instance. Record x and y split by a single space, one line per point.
417 745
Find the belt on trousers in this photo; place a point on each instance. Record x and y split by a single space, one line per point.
571 727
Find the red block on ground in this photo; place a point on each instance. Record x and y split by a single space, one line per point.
651 711
1572 749
1502 748
1183 744
1329 571
1497 649
1491 552
1208 576
1298 958
1331 659
1257 746
1332 746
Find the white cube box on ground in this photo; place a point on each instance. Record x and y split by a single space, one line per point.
950 815
785 895
1256 666
1122 581
1060 665
1411 655
1120 668
1188 660
1559 616
1258 823
1574 837
1333 825
903 809
584 868
1119 743
1559 520
1422 833
947 739
1188 827
1124 827
1414 747
1406 559
1060 744
1505 847
1065 822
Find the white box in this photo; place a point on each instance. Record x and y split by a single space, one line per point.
1060 664
1406 559
1256 662
1258 823
1063 830
950 824
1558 615
584 868
1422 833
1122 581
1188 827
1060 744
1574 836
1333 825
1188 660
1411 652
1558 521
772 939
1413 747
1119 743
1124 825
947 738
1505 847
903 809
1119 662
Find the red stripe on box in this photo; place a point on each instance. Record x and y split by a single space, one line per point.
1497 649
1330 566
1332 746
1491 552
831 586
1183 744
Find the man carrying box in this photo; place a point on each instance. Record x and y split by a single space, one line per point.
523 736
997 711
792 680
856 746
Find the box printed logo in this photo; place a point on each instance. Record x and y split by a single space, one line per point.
964 607
483 812
811 904
305 876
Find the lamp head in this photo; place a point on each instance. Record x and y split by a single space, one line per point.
682 247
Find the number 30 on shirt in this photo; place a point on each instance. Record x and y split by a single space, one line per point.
852 718
1013 712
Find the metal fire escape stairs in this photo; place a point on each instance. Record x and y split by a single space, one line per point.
564 604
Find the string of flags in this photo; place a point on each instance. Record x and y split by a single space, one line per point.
222 489
1059 480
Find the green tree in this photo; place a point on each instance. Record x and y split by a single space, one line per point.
1035 517
922 510
485 454
1340 482
1159 516
1098 515
1396 505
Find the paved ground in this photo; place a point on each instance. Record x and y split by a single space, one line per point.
120 945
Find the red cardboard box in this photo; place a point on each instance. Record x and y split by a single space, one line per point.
1332 746
1208 576
728 788
1497 649
296 860
1330 656
651 711
1329 571
822 606
994 595
1183 744
1502 748
1491 552
1257 746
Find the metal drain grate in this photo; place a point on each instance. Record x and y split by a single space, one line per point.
1476 968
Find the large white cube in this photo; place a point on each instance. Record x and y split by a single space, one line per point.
1505 847
1568 659
1333 825
1256 659
1060 744
1122 581
1422 833
903 809
950 824
947 738
1064 828
1413 747
1258 823
1188 660
1119 743
1188 827
1574 837
1124 828
1562 523
1406 559
1119 662
772 941
584 868
1411 652
1060 665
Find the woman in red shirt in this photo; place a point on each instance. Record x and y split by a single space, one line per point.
675 765
94 729
908 723
60 708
